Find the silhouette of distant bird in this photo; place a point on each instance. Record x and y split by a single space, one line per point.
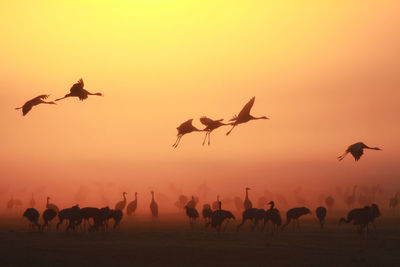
78 91
132 206
153 206
394 201
33 216
72 215
362 217
294 214
192 203
321 214
192 213
34 102
356 150
51 206
244 115
48 215
219 216
184 128
121 204
215 204
211 125
272 214
32 202
252 214
247 203
10 203
207 212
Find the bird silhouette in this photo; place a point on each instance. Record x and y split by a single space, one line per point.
121 204
184 128
211 125
244 115
272 214
33 216
132 206
34 102
247 203
362 217
153 206
51 206
321 214
295 214
78 91
207 212
356 150
48 215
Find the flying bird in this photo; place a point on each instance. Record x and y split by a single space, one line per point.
184 128
34 102
211 125
244 115
78 91
357 150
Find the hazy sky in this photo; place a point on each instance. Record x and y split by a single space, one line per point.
325 72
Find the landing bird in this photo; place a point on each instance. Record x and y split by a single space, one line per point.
244 115
356 150
211 125
184 128
34 102
78 91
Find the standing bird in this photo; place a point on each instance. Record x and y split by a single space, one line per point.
51 206
219 216
78 91
244 115
215 204
192 214
33 216
153 206
252 214
357 150
207 212
362 217
321 214
192 203
247 203
132 206
294 214
121 204
34 102
273 215
394 201
32 202
211 125
48 215
184 128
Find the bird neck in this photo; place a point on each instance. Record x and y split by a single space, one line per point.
135 196
247 193
152 196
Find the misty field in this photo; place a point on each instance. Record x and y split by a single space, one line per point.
141 243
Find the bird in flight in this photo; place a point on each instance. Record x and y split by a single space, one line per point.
34 102
211 125
244 115
184 128
78 91
357 150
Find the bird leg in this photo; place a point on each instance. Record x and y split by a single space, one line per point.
209 136
177 141
342 156
205 137
231 129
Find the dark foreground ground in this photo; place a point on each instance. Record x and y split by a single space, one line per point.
172 243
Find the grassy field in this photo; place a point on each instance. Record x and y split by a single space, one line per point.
172 243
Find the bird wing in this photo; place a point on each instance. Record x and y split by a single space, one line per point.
26 108
206 121
77 87
41 97
185 124
357 153
246 109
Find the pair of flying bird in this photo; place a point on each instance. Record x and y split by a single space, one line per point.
76 90
211 125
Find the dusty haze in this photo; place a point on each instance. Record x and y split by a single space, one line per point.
326 73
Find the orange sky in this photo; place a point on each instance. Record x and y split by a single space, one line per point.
325 72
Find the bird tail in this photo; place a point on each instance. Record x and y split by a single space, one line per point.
59 98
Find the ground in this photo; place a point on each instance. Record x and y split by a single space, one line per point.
173 243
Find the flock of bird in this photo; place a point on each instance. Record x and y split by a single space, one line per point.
77 90
97 218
